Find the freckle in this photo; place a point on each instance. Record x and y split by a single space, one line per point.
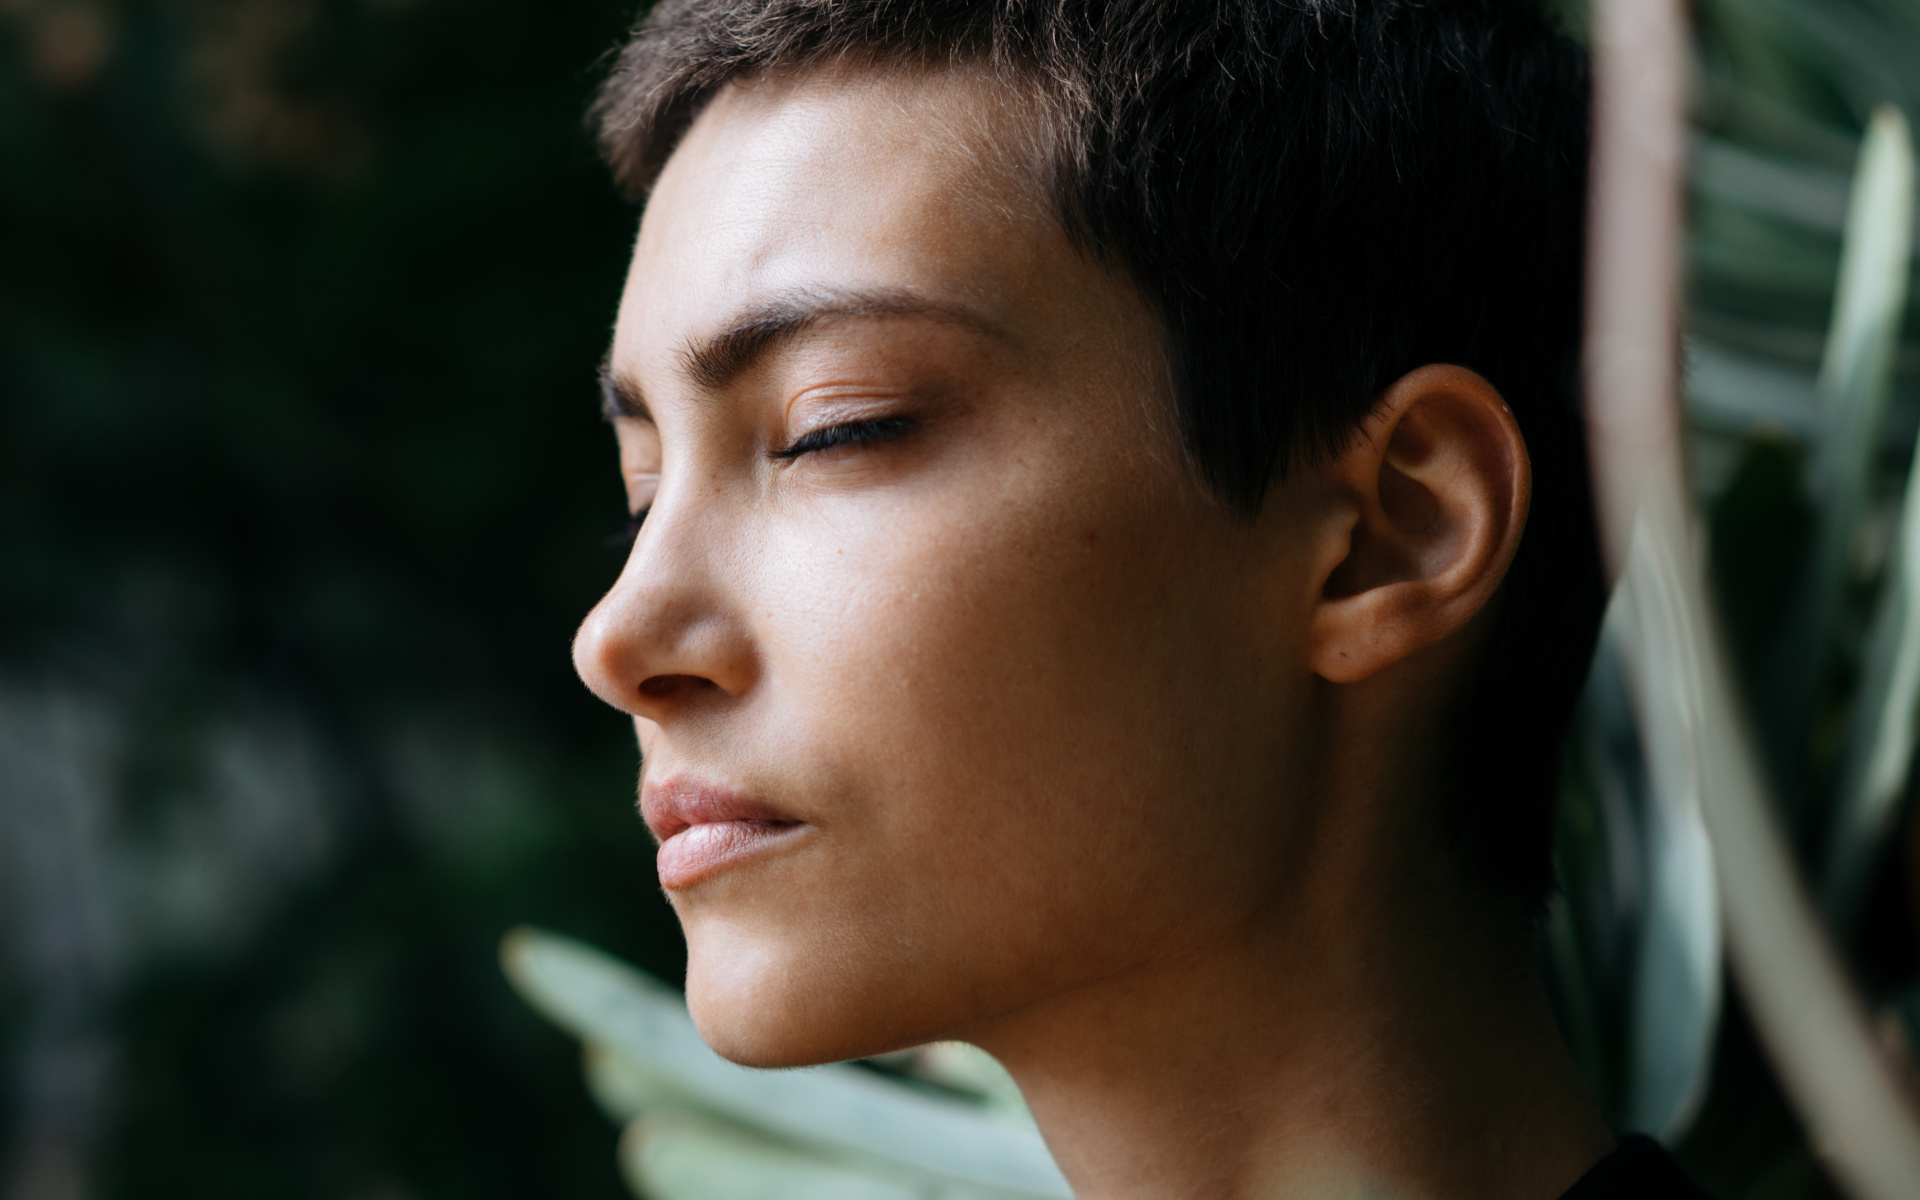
1089 537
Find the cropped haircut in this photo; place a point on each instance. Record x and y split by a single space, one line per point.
1317 196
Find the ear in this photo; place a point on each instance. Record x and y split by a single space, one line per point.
1433 491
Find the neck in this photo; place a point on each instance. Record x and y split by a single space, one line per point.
1390 1040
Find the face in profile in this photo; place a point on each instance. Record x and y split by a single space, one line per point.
957 690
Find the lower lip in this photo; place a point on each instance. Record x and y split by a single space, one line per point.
701 851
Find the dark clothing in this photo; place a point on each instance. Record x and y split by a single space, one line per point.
1638 1169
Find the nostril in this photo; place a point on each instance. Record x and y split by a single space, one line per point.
662 687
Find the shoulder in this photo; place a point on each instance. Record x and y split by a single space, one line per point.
1638 1169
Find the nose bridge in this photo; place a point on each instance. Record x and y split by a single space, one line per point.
668 615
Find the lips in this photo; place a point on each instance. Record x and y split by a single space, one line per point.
705 828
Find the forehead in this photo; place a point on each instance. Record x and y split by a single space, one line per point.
902 183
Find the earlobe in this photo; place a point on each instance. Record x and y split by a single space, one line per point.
1433 491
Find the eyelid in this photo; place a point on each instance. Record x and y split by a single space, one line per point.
832 405
847 400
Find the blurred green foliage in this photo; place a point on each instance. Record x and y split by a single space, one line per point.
1802 414
302 490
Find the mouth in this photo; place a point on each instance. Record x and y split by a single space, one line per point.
705 828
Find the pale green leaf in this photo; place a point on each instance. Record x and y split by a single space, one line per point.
624 1088
1673 1005
1855 373
671 1155
1881 741
1734 393
839 1108
968 1068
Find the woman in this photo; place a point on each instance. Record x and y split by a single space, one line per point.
1111 564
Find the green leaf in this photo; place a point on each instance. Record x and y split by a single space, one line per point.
1672 1003
1808 196
835 1108
1854 385
968 1068
1880 743
624 1088
683 1156
1733 393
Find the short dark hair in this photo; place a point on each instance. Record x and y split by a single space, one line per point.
1319 196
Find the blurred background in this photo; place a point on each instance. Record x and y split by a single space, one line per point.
303 489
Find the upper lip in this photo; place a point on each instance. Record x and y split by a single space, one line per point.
679 802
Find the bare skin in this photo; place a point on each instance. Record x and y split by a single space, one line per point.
968 711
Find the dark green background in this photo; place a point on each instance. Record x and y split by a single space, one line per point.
300 310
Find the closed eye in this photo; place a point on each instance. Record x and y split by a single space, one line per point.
871 431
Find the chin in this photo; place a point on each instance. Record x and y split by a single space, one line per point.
765 1003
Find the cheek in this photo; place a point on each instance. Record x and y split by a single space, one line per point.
933 645
1022 702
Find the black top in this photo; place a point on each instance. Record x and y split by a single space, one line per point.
1638 1169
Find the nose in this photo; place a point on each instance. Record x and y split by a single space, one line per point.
665 638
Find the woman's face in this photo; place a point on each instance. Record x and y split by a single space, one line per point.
957 692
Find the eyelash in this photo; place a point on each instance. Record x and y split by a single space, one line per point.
852 433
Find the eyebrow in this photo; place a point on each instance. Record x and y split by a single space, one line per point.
721 357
